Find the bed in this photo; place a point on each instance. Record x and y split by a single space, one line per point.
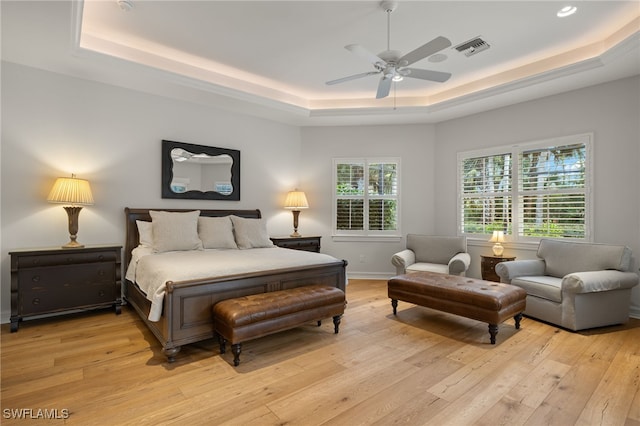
184 314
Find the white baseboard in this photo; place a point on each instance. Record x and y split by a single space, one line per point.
369 275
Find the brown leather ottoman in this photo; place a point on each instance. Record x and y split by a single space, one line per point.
484 301
249 317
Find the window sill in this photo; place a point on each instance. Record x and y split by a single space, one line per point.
366 238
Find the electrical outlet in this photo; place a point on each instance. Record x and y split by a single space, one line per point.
363 258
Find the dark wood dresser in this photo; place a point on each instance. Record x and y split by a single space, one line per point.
298 243
53 280
488 266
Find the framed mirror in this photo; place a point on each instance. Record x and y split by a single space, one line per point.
200 172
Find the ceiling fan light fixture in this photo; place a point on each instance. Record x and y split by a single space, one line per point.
397 78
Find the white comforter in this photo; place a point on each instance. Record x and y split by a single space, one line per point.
151 271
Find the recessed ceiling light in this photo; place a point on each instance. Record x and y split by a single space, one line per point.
566 11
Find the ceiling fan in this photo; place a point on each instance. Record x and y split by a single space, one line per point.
392 64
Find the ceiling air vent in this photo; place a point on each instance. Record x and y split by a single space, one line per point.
473 46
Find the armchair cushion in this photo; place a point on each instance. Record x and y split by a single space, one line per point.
561 258
545 287
433 249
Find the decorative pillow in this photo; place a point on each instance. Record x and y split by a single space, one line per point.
145 232
174 231
216 232
250 233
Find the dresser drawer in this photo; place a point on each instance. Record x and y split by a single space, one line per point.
43 300
58 277
68 258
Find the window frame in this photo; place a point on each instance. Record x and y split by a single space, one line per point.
365 234
515 192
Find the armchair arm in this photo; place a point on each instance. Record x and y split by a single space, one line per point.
594 281
403 259
519 268
459 263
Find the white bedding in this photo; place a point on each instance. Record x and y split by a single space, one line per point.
151 271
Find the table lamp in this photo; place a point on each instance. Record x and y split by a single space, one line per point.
497 238
295 201
76 192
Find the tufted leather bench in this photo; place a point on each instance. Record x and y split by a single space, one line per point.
249 317
484 301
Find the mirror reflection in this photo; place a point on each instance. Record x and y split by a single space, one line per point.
201 172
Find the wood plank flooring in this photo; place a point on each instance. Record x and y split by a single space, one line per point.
422 367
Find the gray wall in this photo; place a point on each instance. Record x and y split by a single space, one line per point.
53 125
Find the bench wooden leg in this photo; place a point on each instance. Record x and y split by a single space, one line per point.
493 330
336 323
236 349
222 342
517 318
394 305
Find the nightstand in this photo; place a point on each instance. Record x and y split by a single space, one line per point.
46 281
488 267
298 243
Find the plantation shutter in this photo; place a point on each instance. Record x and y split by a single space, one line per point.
486 194
552 195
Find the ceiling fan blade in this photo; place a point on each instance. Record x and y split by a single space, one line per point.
365 54
438 76
428 49
351 77
383 87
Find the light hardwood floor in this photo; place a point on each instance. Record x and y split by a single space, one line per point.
421 367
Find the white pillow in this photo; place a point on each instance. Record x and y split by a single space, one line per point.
174 231
216 232
250 233
145 232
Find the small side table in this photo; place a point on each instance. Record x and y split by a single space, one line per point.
488 267
298 243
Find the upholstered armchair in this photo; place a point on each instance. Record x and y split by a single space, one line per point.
447 255
575 285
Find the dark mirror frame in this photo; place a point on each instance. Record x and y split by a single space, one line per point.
167 171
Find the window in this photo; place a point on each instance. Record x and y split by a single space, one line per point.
529 191
366 196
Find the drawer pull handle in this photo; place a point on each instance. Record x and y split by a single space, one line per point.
36 301
35 278
101 257
101 293
69 259
101 273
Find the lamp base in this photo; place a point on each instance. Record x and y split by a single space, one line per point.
72 245
497 250
73 212
295 234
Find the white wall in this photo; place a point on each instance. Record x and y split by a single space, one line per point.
414 144
611 111
55 125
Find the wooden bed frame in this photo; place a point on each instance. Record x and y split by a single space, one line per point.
186 312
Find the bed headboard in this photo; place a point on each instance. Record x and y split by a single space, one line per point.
132 238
